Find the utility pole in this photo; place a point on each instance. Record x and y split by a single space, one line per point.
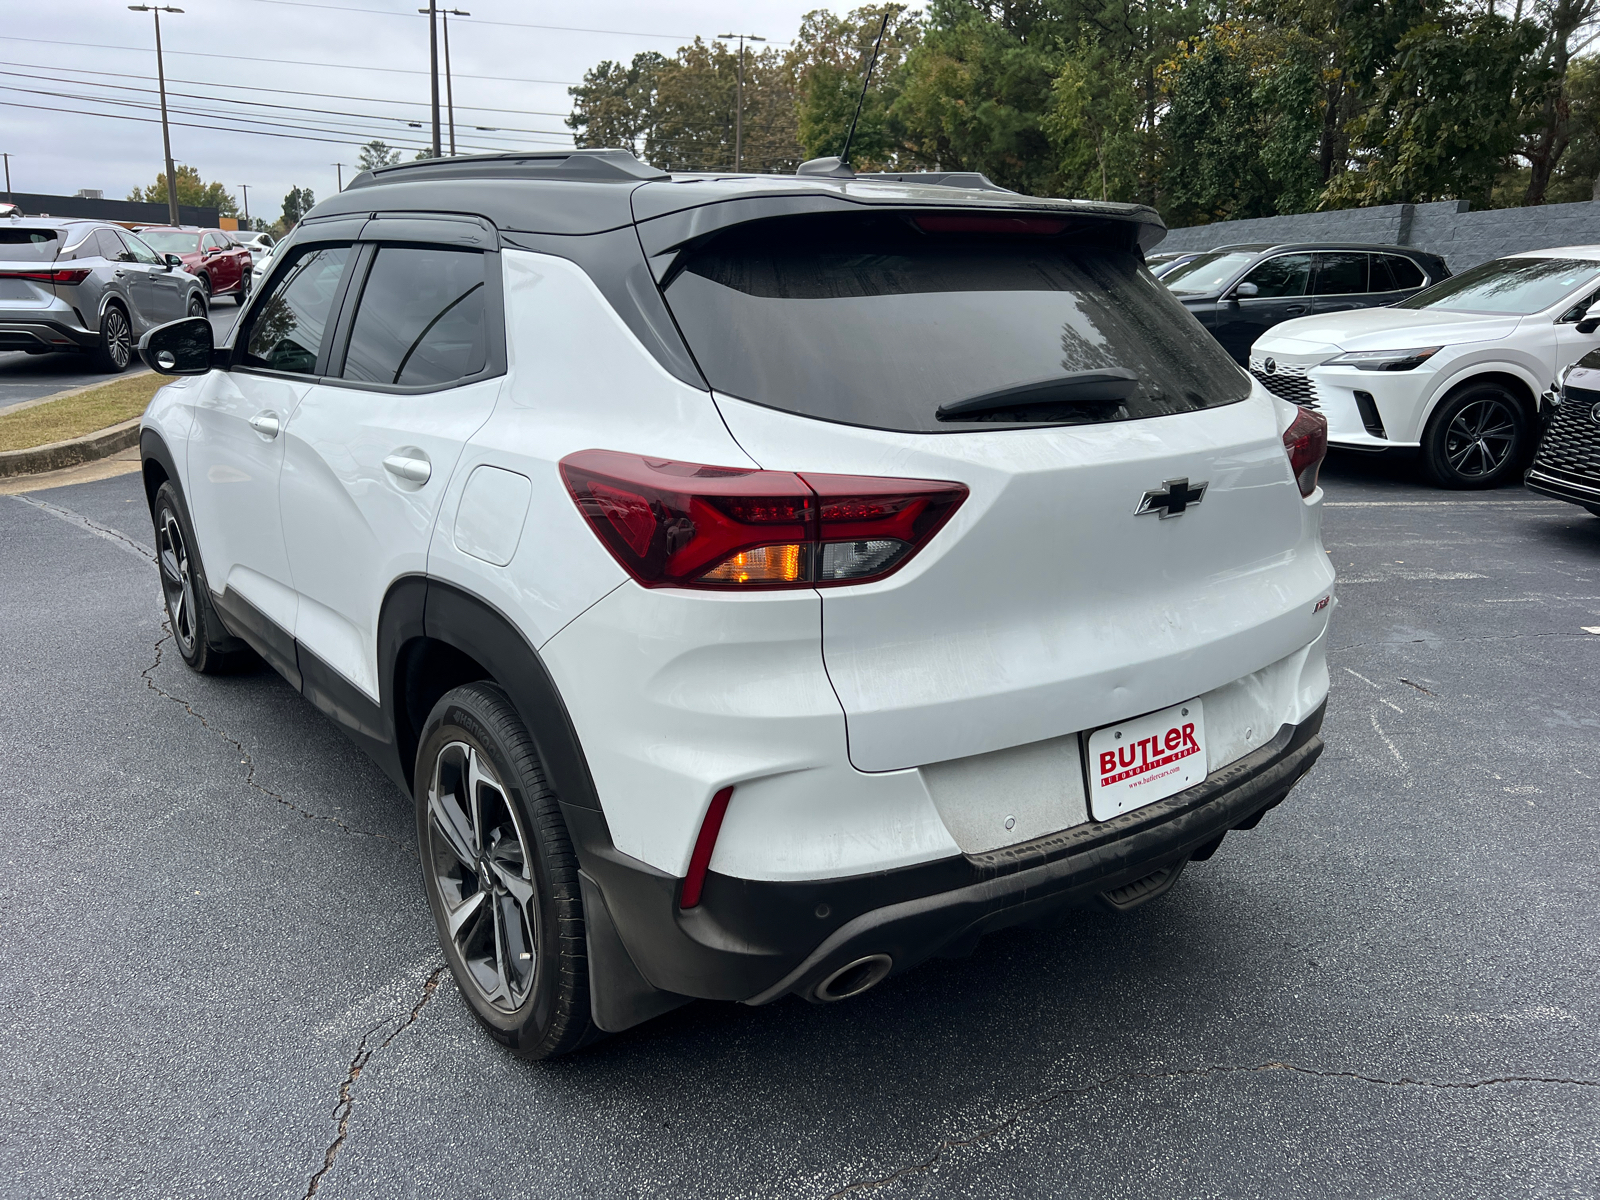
7 157
340 167
449 81
433 68
166 133
738 106
245 188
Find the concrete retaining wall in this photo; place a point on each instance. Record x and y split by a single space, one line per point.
1448 228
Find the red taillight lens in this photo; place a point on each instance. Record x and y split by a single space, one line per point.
987 223
1306 443
56 275
676 524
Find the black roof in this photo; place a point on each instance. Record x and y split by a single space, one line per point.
592 191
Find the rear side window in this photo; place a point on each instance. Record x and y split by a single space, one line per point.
420 320
883 321
29 245
1341 274
109 245
1401 273
288 325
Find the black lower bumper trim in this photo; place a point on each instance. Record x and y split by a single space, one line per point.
754 941
1573 491
44 335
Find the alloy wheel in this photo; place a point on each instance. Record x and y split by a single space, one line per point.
177 581
479 856
119 341
197 307
1480 438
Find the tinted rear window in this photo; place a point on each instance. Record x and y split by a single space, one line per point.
29 245
871 321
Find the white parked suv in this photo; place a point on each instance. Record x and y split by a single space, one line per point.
1461 369
758 585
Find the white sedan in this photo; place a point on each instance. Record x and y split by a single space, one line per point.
1459 369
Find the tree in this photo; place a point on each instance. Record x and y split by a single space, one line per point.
191 191
377 154
296 205
1547 94
829 59
614 106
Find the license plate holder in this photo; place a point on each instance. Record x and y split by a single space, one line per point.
1144 759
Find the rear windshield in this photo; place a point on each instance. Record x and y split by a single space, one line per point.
875 321
29 245
172 243
1516 286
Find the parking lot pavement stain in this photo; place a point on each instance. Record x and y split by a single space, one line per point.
343 1111
949 1146
246 759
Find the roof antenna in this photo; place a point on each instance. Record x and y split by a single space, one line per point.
840 167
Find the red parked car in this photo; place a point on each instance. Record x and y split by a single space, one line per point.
222 267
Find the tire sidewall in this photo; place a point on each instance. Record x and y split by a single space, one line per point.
103 356
458 718
168 499
1437 464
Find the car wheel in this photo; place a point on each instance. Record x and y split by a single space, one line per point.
500 874
243 293
114 351
206 647
1477 438
1593 508
205 287
197 306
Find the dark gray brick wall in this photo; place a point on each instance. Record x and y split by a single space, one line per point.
1447 228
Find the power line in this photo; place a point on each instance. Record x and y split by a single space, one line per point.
286 62
250 87
379 12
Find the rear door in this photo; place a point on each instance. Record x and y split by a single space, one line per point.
1048 604
370 450
1283 290
168 286
1341 281
1394 277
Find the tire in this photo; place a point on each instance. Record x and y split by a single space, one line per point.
205 645
1479 437
519 955
114 351
243 293
1593 509
197 306
205 288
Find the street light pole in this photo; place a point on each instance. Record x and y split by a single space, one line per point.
738 105
433 69
166 134
340 167
245 188
7 157
449 80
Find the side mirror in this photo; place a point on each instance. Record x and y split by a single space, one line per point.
173 262
1247 290
1588 325
179 347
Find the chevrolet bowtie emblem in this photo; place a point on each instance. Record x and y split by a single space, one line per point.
1173 500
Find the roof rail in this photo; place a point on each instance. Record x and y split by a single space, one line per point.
591 166
956 179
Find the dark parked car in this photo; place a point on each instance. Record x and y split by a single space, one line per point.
1160 264
1239 292
1567 463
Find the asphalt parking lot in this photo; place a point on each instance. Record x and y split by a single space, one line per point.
220 976
30 376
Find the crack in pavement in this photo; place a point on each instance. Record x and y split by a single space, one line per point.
1489 637
947 1145
246 759
120 540
345 1108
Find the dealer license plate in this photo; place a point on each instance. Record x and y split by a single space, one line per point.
1146 759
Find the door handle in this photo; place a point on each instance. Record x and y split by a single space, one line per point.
1295 308
413 468
266 424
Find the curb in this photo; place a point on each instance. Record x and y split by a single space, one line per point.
71 452
20 405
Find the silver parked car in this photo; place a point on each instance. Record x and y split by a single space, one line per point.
88 288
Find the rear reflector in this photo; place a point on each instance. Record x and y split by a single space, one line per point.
685 525
1306 443
54 275
700 860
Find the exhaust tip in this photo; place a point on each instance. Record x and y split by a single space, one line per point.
853 978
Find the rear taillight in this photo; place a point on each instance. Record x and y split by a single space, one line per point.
55 275
677 524
1306 443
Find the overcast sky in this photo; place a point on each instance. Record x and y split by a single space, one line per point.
244 56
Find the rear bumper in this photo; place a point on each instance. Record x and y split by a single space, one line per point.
1563 486
43 335
756 941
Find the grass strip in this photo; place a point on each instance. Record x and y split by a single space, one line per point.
73 416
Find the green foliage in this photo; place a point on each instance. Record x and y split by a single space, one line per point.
829 59
296 205
191 191
377 154
1092 124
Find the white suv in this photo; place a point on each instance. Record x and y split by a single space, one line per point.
758 584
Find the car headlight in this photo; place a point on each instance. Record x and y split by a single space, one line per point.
1384 360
